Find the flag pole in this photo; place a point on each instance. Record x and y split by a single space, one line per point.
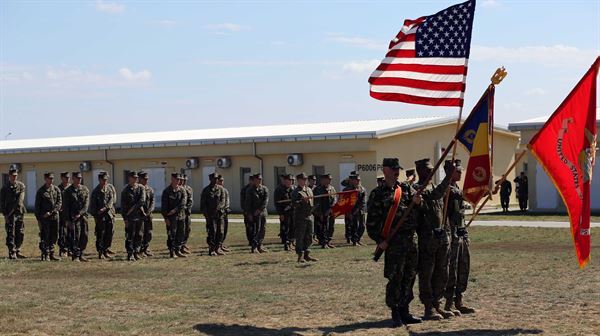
502 179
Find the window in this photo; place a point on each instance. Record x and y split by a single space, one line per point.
278 171
244 175
318 170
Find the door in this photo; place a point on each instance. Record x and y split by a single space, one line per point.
30 188
545 192
205 172
345 169
157 179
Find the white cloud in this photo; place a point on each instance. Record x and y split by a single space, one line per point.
552 56
490 3
221 28
109 7
361 66
129 75
356 41
535 92
165 23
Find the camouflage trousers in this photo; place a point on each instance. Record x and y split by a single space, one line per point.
146 233
258 226
64 237
15 232
133 236
104 232
434 255
303 231
187 225
48 235
286 229
225 228
79 233
401 259
458 274
326 228
355 226
175 233
214 228
248 226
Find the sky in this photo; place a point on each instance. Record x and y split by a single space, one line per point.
70 68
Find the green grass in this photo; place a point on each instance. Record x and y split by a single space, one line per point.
524 281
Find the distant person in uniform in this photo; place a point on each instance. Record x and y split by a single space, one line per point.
257 198
12 205
505 191
148 209
133 199
189 192
212 206
221 182
102 209
410 176
355 219
173 202
76 203
522 189
64 240
282 197
302 202
323 215
244 212
48 201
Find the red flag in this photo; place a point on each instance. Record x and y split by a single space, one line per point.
426 62
345 204
566 148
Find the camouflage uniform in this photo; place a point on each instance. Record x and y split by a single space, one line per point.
256 209
324 221
284 209
48 201
189 193
63 233
458 275
147 221
105 221
174 199
213 206
226 214
133 199
76 203
12 205
247 223
303 218
355 220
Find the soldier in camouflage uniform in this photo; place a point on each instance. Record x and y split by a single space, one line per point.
48 201
221 181
102 209
355 220
312 183
133 199
148 210
257 198
76 203
212 206
282 197
460 259
303 204
401 255
410 176
323 218
189 193
12 197
63 233
244 212
173 203
434 243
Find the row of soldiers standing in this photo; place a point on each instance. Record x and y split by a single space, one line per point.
435 247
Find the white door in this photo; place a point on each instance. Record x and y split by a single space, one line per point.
545 191
30 188
205 172
595 187
345 169
157 179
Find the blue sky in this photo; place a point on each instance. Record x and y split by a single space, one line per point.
94 67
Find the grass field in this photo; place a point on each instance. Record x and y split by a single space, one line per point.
524 281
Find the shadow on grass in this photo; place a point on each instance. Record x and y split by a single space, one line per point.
217 329
480 332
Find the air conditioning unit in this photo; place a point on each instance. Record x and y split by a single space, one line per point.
294 159
15 166
223 162
85 166
191 163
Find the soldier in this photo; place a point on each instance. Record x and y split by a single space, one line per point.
312 181
48 201
401 255
505 191
103 210
257 198
355 220
173 202
325 221
522 189
212 206
133 199
244 212
380 181
189 192
282 197
148 209
434 243
460 259
221 181
410 176
12 197
302 201
76 203
64 240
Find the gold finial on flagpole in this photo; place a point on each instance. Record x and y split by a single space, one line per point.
499 75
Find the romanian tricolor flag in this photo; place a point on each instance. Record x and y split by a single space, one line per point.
566 148
477 137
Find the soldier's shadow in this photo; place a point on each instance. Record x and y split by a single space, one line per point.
218 329
480 332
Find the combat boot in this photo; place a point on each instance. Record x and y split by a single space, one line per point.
148 253
286 247
462 308
225 248
20 256
179 254
185 250
406 317
445 314
106 255
109 251
253 250
172 254
11 255
219 252
396 320
430 314
300 258
136 256
448 307
83 259
100 255
307 257
261 249
130 257
53 258
330 245
44 257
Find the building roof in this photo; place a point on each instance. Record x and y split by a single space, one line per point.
361 129
537 123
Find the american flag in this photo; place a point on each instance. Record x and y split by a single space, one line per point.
427 61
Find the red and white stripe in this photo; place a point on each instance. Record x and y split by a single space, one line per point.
403 77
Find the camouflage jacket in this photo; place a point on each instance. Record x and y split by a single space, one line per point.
456 210
48 200
303 208
380 201
149 204
133 199
257 199
12 199
243 196
103 198
431 210
212 201
173 199
76 201
62 194
227 200
281 194
323 204
361 202
189 200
